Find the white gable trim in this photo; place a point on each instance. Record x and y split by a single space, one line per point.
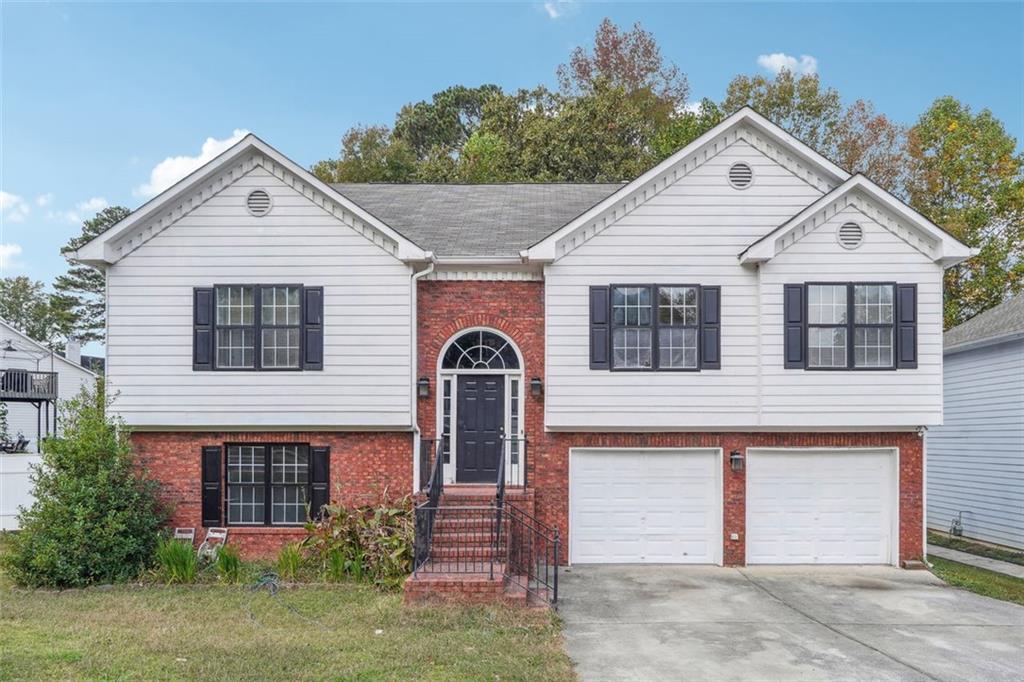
188 193
746 124
865 196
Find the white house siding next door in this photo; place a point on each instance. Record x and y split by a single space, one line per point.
821 506
645 506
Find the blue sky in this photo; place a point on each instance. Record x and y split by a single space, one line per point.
95 98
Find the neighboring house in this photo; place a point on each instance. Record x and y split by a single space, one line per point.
976 458
33 381
729 360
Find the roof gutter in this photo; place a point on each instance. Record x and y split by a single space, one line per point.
983 343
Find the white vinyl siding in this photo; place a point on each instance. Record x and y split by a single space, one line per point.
878 398
367 316
976 458
691 232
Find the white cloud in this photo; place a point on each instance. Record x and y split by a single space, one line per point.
8 257
13 208
81 211
174 168
777 62
556 9
44 199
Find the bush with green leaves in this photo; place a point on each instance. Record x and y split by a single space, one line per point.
94 518
371 541
229 564
4 433
177 560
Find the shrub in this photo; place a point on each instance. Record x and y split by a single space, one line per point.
229 564
178 561
372 541
94 519
289 561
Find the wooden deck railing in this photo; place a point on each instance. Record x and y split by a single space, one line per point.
24 384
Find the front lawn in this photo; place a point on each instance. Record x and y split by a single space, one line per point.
979 580
347 632
1000 553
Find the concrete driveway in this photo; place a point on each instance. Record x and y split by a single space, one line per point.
849 623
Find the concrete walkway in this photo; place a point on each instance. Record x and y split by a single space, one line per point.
1004 567
792 624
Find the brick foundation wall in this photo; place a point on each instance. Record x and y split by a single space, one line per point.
363 465
517 310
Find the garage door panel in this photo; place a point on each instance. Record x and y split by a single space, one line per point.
820 507
656 506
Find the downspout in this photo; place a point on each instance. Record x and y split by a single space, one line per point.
414 366
922 431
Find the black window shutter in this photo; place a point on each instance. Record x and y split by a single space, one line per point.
202 329
600 330
320 479
313 328
906 326
794 325
211 468
711 328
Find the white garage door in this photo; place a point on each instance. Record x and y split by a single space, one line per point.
820 506
644 506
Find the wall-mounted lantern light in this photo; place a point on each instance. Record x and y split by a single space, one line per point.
736 460
536 387
423 387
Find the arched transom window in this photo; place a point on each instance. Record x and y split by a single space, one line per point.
480 350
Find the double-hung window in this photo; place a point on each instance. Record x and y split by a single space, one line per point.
258 327
267 484
851 325
660 327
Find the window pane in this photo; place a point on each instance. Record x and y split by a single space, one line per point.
872 304
246 464
677 305
235 348
446 421
514 420
289 464
280 306
826 347
677 348
631 348
826 304
245 504
280 347
288 503
872 347
234 305
631 306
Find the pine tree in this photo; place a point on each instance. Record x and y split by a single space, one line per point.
83 287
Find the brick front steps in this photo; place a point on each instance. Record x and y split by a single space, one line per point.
464 565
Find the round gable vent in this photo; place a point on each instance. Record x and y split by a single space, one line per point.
850 235
258 202
740 175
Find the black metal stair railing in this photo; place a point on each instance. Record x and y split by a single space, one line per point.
532 555
426 513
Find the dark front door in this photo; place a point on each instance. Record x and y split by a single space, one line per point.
481 427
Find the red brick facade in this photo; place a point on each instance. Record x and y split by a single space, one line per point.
363 464
517 310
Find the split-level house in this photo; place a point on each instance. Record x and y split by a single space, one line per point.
731 359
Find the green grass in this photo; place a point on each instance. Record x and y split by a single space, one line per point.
979 580
222 632
944 540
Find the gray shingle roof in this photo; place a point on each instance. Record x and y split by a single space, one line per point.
476 220
1006 319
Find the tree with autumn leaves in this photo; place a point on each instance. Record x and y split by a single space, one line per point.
620 108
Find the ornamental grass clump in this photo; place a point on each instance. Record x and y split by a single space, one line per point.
177 561
94 518
289 561
229 564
